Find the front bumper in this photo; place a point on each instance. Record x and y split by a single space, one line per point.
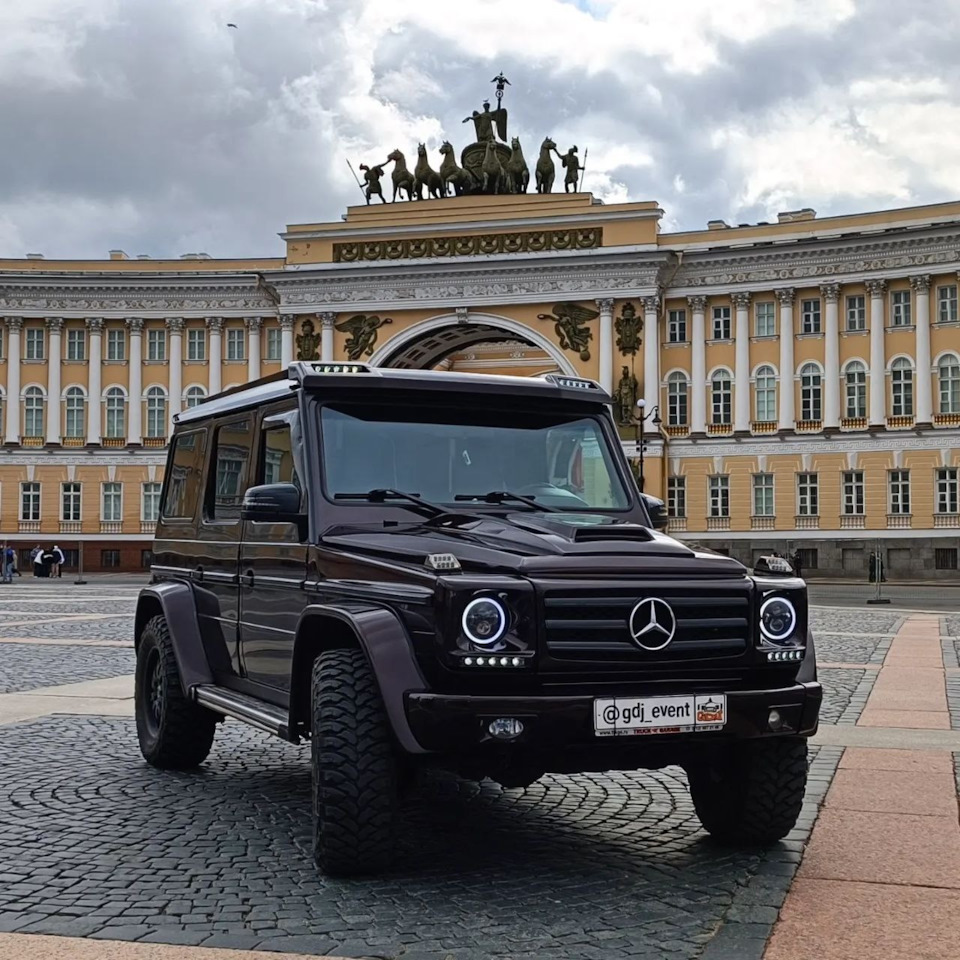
444 723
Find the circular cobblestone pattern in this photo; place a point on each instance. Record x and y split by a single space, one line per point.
96 843
28 667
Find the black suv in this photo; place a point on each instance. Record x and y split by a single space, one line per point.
415 569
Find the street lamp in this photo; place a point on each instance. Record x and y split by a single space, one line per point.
639 420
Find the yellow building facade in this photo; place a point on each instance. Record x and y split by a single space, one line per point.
801 379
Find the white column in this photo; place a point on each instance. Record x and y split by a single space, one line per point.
11 432
651 352
878 382
606 343
175 326
831 355
54 353
215 356
328 318
94 388
785 297
286 340
698 369
921 290
135 381
741 393
253 325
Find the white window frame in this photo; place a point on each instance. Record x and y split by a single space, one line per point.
948 490
763 495
722 324
765 394
854 493
74 413
192 398
855 390
30 496
901 308
111 492
34 412
811 393
808 495
676 497
947 303
856 304
156 345
196 344
34 344
150 492
765 313
811 320
71 495
898 483
156 420
719 495
116 344
273 347
76 346
949 385
236 343
901 388
721 401
678 400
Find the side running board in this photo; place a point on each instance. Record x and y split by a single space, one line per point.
249 710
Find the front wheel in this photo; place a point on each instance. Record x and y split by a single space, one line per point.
752 793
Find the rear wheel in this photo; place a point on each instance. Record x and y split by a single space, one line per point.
753 793
174 732
355 771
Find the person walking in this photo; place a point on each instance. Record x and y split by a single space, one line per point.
58 559
8 557
36 558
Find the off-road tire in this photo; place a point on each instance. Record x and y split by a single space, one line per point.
355 775
174 732
753 795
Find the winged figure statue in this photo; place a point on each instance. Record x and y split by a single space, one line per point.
362 329
569 320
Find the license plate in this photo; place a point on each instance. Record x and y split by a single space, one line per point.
638 716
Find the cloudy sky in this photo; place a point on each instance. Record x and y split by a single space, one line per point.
150 126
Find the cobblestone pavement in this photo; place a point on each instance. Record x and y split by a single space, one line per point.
25 666
837 648
853 621
845 693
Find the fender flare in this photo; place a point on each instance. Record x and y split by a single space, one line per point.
176 604
384 641
808 666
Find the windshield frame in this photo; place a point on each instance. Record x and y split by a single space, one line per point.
614 457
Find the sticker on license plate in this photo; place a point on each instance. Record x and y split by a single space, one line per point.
636 716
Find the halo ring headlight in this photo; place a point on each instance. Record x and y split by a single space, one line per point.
484 621
778 619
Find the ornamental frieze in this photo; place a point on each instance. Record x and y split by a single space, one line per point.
143 305
536 241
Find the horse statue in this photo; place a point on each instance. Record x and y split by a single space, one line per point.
402 177
425 176
546 170
451 174
516 170
492 169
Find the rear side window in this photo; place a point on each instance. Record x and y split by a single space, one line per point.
228 480
277 463
184 470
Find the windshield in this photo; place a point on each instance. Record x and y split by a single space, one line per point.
560 461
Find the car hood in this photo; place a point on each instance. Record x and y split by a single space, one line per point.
537 544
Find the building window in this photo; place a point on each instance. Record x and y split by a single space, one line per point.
810 316
109 558
70 502
947 304
235 342
146 559
720 495
945 558
900 315
808 495
721 395
156 412
677 326
763 494
765 319
34 344
721 323
156 345
855 378
112 502
853 501
766 394
33 404
948 371
808 558
676 496
76 345
677 399
857 313
75 414
273 344
196 344
151 502
116 408
901 387
116 344
900 491
194 396
947 488
29 501
811 392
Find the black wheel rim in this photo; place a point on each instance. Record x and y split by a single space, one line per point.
153 677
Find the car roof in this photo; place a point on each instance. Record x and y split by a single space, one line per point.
349 378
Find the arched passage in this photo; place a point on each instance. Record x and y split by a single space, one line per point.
431 343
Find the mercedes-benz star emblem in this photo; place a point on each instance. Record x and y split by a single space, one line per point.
652 623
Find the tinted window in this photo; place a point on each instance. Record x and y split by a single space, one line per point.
227 481
277 463
184 469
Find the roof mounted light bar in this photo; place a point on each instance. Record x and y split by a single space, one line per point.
575 383
340 368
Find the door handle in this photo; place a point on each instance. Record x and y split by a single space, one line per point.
198 574
246 580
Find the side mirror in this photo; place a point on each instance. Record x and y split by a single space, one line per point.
771 566
272 503
657 510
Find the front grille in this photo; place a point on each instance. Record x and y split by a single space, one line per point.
713 623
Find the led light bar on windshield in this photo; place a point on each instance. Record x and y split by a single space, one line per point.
340 368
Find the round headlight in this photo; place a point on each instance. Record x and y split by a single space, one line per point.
484 621
778 618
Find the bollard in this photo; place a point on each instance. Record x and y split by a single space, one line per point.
80 579
878 567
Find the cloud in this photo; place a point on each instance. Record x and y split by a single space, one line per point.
155 128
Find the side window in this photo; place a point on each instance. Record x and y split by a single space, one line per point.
276 461
228 477
184 470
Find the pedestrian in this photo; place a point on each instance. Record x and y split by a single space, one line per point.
797 565
58 559
36 558
9 559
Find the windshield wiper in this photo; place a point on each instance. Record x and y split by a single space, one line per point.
499 496
383 495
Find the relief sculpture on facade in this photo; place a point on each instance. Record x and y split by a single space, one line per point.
362 330
570 323
308 342
628 326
